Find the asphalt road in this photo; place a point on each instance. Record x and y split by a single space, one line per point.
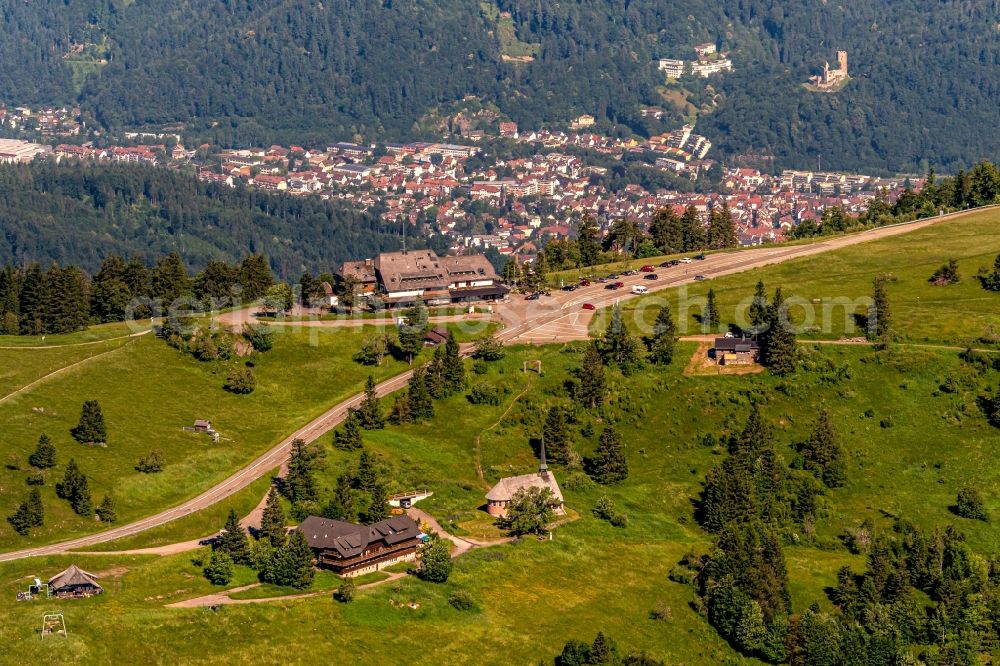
521 319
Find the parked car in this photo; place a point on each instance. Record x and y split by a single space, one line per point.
533 297
631 272
686 260
651 276
666 264
602 280
639 289
569 287
648 268
585 283
675 262
700 257
589 306
699 278
613 276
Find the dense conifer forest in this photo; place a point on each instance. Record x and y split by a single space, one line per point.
922 89
79 214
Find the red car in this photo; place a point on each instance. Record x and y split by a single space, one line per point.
647 269
584 283
589 306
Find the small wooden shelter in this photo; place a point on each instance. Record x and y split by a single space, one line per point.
74 583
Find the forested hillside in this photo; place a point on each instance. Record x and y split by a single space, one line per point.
923 87
80 214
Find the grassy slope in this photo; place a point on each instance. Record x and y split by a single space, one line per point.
922 312
535 595
148 392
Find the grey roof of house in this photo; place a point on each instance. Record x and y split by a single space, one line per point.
350 539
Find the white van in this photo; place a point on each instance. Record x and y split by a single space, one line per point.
639 289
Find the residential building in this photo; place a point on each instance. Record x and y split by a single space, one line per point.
349 549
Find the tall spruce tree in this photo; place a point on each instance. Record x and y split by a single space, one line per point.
421 403
609 466
665 231
410 337
434 376
91 428
107 511
590 388
348 436
555 435
588 241
710 317
378 505
879 314
692 229
29 513
721 229
821 453
300 482
255 277
618 347
75 489
366 477
301 558
369 412
341 503
272 521
80 500
758 311
664 338
233 540
170 280
454 366
30 305
778 341
109 292
44 455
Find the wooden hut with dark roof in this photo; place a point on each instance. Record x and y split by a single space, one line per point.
74 583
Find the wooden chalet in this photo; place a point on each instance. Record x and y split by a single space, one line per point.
736 351
349 549
74 583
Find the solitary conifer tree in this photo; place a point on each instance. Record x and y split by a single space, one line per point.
91 428
107 511
661 344
879 315
272 522
44 455
610 465
590 392
234 540
348 436
370 409
555 435
421 403
710 317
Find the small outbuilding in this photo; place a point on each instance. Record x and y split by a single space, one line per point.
74 583
436 336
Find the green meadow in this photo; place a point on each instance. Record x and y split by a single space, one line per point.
831 288
909 447
149 392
